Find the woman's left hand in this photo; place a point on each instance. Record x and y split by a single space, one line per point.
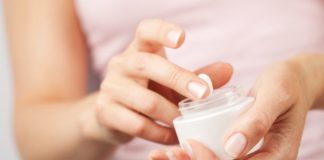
283 97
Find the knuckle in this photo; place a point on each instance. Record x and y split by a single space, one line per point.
174 77
285 95
142 26
260 123
151 105
139 128
141 62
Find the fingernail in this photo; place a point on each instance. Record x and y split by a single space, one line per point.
207 79
170 155
187 147
235 145
197 89
173 36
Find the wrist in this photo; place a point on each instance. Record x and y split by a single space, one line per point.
310 73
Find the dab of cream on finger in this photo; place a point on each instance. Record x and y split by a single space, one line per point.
207 79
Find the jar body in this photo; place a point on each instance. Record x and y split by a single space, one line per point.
210 128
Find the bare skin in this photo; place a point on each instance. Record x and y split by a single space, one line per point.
56 119
54 116
284 94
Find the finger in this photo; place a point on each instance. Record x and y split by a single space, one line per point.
153 34
219 72
122 119
140 99
251 126
171 153
162 71
169 94
283 139
199 151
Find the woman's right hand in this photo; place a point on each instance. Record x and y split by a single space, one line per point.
141 88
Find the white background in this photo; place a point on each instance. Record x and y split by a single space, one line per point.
7 147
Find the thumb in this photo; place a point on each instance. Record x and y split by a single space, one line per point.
254 123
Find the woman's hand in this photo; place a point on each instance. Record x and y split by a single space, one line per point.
278 115
283 95
141 88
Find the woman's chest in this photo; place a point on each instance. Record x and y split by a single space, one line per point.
238 31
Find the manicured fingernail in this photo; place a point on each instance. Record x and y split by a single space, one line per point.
187 148
197 89
207 79
173 36
235 145
170 155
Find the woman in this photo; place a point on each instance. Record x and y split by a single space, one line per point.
142 79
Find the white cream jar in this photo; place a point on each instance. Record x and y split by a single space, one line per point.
207 120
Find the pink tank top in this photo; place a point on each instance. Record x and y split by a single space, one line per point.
250 34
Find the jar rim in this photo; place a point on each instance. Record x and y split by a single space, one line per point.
220 97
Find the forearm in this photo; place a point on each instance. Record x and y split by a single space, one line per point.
312 66
52 130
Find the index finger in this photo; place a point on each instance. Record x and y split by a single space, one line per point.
154 34
162 71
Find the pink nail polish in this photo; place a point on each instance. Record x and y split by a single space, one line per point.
173 36
196 89
235 145
207 79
